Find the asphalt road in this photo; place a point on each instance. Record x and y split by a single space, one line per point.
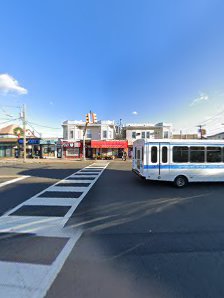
136 238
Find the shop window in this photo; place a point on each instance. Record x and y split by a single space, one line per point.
143 134
148 134
8 152
104 134
72 152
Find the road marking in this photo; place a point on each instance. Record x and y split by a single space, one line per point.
20 280
77 181
35 280
13 181
51 201
57 266
29 224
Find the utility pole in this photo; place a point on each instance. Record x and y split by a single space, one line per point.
24 131
84 142
200 130
90 118
84 136
120 125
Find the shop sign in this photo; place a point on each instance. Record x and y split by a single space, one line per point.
48 142
109 144
71 144
30 141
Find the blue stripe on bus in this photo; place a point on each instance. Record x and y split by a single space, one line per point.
184 166
184 144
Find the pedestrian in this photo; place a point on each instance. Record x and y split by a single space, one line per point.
124 156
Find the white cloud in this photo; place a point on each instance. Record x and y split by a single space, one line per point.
10 85
203 97
134 113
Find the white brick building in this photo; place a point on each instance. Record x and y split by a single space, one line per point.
134 131
102 130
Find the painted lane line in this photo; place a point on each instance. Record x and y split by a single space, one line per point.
57 266
51 201
87 173
35 196
13 181
20 280
45 226
77 181
28 224
72 209
69 188
85 176
76 201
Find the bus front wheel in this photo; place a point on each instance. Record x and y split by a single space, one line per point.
180 181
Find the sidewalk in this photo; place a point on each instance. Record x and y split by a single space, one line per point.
41 160
53 160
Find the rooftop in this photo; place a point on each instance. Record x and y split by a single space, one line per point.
8 130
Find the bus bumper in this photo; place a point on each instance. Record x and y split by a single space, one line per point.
137 173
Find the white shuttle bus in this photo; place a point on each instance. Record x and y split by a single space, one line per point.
179 161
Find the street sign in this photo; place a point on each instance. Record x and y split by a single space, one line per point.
30 141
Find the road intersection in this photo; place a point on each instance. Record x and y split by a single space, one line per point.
93 229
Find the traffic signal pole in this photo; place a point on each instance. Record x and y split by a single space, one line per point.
90 118
84 142
24 132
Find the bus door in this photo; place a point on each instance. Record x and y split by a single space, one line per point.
164 162
139 158
153 161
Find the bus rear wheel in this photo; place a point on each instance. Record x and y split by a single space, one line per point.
180 181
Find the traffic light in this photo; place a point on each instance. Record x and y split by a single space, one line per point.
94 118
87 118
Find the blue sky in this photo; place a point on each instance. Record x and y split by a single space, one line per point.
161 59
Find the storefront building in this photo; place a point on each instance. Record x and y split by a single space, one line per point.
32 148
70 150
112 149
48 148
8 147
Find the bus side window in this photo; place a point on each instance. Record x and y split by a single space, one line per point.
142 153
154 154
180 154
197 154
214 154
164 155
135 154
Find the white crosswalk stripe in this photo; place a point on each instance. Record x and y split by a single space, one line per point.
31 280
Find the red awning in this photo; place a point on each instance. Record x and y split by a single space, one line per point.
109 144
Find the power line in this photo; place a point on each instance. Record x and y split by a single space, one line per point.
214 116
34 129
8 106
9 121
43 125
